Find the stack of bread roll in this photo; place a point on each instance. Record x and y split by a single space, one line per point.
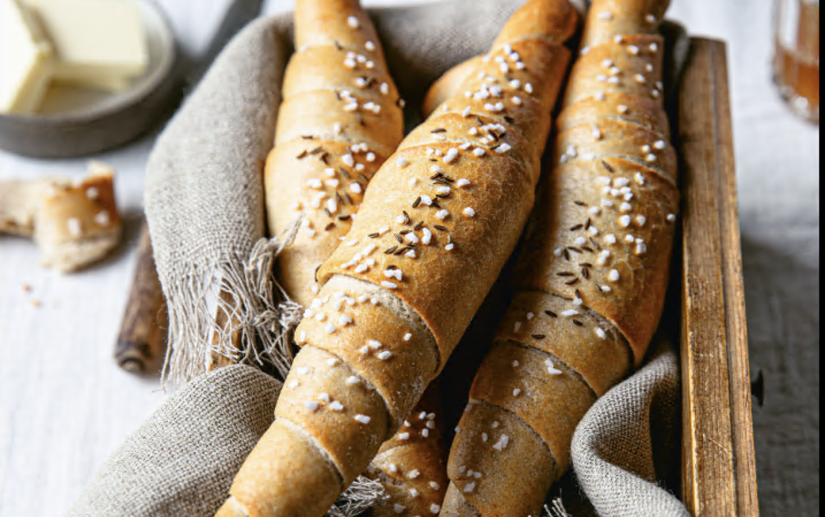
341 118
591 279
434 229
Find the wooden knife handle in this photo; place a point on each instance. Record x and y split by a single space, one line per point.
142 340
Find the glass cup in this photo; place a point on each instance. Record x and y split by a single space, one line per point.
796 57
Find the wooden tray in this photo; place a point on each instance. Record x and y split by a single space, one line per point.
718 464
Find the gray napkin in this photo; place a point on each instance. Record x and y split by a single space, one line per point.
183 459
204 205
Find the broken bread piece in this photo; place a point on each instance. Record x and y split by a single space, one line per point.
78 223
19 203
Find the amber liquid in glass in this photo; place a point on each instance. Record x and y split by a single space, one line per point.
796 62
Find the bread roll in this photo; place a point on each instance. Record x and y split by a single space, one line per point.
340 119
74 223
321 166
437 224
591 278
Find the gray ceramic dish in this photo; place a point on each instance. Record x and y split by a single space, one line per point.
105 121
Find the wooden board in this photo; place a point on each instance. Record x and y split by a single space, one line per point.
718 464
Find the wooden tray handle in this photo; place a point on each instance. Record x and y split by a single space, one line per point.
141 343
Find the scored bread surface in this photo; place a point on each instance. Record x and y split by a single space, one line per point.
591 277
327 150
433 230
340 119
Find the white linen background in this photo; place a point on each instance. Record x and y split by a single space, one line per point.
65 405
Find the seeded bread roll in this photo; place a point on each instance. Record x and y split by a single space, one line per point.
341 117
590 280
329 144
436 226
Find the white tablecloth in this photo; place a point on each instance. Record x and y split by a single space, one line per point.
65 405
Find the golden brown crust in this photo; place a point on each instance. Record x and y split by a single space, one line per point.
317 397
455 239
593 271
555 21
609 18
326 23
320 111
444 286
457 129
647 113
309 478
412 465
78 223
511 460
544 322
560 248
455 505
316 180
388 349
631 67
339 120
519 379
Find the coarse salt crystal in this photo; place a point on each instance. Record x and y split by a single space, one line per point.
502 443
312 405
102 218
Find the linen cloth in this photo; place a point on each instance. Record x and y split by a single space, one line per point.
183 459
204 206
